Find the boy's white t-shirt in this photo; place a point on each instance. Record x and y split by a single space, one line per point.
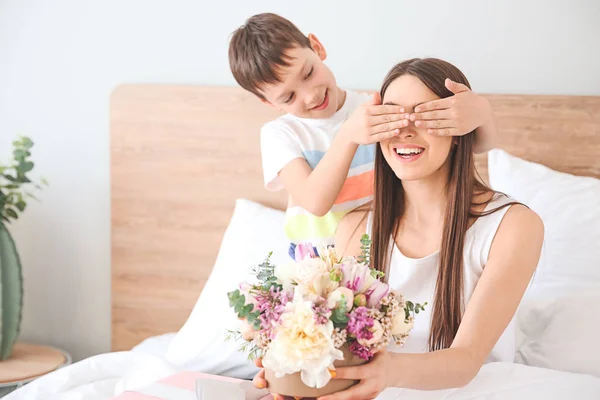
290 137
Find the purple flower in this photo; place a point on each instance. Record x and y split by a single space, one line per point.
359 324
361 351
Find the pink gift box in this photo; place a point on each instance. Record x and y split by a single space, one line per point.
174 386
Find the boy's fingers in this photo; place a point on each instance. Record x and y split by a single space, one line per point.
437 114
387 109
436 124
375 99
388 126
440 104
384 135
258 363
455 87
382 119
444 132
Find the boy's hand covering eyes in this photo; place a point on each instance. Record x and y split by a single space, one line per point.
373 122
455 115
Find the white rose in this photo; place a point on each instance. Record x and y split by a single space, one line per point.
324 285
400 326
247 331
309 270
311 273
302 345
341 294
285 275
328 254
377 331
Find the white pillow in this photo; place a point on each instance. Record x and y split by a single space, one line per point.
254 231
556 320
558 329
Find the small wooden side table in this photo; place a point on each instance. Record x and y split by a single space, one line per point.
27 362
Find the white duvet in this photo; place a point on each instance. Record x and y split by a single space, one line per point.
106 375
99 377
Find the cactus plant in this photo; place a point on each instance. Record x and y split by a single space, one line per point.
13 200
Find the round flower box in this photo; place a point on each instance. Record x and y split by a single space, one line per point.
292 385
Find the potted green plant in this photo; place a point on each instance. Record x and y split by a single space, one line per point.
15 189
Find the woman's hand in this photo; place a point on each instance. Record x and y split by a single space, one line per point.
375 377
259 381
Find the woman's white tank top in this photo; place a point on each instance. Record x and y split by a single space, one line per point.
415 279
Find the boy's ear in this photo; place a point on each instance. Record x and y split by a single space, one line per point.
317 47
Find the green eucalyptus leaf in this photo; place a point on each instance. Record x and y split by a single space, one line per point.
233 296
27 143
21 205
12 213
26 166
20 154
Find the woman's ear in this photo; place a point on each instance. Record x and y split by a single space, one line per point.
317 47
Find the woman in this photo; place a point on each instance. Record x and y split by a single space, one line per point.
442 237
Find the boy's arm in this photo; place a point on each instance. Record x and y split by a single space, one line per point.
316 190
458 115
486 136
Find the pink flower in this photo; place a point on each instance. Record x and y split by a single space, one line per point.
377 291
271 305
322 312
376 335
359 324
358 278
304 251
361 351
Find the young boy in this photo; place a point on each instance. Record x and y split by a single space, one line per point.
322 150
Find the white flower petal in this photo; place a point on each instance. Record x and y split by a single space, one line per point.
323 378
308 378
301 344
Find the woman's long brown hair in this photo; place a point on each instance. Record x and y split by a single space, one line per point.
388 206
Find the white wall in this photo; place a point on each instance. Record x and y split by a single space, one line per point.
60 60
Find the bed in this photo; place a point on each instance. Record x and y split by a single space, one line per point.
186 187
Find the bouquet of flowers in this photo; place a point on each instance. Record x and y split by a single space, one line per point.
303 316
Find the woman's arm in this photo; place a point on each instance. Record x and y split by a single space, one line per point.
514 255
350 230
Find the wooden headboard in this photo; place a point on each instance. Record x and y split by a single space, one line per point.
181 155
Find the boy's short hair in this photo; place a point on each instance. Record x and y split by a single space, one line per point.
257 49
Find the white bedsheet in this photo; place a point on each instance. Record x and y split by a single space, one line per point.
106 375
